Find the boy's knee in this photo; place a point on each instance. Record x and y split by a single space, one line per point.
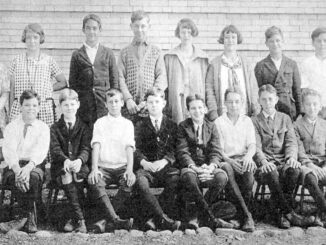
221 177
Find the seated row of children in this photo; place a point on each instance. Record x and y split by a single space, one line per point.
223 155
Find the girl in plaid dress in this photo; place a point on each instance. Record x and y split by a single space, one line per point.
35 70
4 94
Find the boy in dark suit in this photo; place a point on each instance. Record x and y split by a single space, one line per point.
199 155
70 150
154 159
311 135
276 155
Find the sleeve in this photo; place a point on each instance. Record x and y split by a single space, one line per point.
296 88
57 154
160 73
215 149
54 68
130 133
4 80
85 147
250 131
255 106
12 67
97 133
220 134
183 152
113 71
171 144
302 156
10 143
291 144
259 74
122 77
40 150
139 144
73 73
259 156
304 71
211 93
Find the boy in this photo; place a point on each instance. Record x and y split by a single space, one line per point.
199 156
25 147
112 160
276 155
93 72
311 134
154 156
238 143
141 67
70 150
313 69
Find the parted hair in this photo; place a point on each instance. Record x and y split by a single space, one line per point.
139 15
230 29
27 95
114 91
155 92
92 17
315 33
271 31
235 90
186 23
36 28
309 92
267 88
68 94
194 97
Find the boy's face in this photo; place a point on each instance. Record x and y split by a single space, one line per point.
197 110
92 31
29 109
155 105
69 108
140 29
32 40
275 44
233 103
312 106
268 101
319 44
114 103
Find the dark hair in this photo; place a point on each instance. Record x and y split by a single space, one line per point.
92 17
139 15
271 31
27 95
267 88
155 92
36 28
68 93
194 97
186 23
309 92
317 32
230 29
235 90
114 91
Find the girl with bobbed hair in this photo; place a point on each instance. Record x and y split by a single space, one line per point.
186 67
34 70
228 71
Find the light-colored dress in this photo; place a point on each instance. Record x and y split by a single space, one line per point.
185 77
36 74
4 87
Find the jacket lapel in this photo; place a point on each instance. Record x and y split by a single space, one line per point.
269 64
149 124
99 53
281 71
263 123
84 55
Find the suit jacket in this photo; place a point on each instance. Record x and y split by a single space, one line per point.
190 152
311 140
214 94
64 146
276 144
152 145
93 81
287 82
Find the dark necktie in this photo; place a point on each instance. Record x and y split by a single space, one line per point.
270 122
157 128
197 134
69 128
26 128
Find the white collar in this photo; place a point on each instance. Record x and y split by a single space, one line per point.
159 120
89 47
266 115
72 123
311 122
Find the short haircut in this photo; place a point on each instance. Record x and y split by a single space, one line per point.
271 31
155 92
230 29
139 15
27 95
310 92
235 90
92 17
188 24
267 88
36 28
194 97
68 94
114 91
317 32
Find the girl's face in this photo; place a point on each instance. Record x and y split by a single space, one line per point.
275 44
230 41
32 41
319 44
185 35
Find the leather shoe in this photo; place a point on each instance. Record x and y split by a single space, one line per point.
99 226
69 227
150 225
298 220
219 223
193 224
124 224
15 224
248 225
80 226
30 225
283 222
170 224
